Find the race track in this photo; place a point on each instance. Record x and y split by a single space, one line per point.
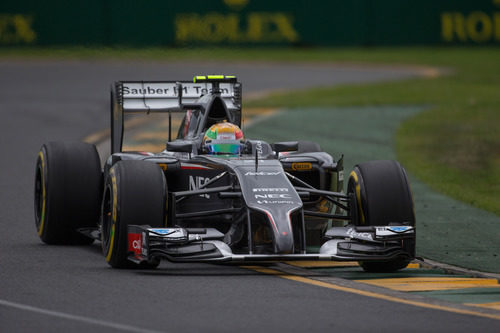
62 288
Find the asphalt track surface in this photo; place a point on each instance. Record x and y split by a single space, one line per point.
62 288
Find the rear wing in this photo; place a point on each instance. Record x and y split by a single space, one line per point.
166 96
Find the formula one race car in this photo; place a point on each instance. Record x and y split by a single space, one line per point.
212 196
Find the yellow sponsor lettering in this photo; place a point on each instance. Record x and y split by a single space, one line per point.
232 28
255 27
452 24
284 24
271 27
301 166
184 25
16 29
497 26
478 27
215 26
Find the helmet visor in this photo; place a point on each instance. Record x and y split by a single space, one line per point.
232 147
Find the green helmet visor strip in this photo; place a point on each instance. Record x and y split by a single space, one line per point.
217 147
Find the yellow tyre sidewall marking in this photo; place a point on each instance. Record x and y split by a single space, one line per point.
42 217
358 195
114 214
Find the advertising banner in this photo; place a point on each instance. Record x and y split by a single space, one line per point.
249 22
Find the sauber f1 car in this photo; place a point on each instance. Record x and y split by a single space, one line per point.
192 203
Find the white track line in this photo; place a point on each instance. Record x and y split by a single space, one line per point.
86 320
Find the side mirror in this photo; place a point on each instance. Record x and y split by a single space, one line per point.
180 146
279 147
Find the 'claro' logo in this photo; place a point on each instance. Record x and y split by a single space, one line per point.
252 27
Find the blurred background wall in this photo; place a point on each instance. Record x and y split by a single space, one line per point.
249 22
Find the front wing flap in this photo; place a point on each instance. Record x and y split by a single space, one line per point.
145 242
367 242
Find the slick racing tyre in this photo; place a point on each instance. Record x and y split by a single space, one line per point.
383 196
67 191
134 193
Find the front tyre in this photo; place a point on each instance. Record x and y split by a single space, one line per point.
67 191
383 196
134 193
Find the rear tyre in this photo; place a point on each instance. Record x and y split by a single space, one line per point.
67 191
134 193
383 196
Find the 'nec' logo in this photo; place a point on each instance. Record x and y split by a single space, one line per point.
273 196
195 183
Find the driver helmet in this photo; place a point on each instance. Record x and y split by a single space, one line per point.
223 138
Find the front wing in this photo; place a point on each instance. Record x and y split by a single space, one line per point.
205 245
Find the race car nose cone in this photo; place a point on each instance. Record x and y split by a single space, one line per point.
283 243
